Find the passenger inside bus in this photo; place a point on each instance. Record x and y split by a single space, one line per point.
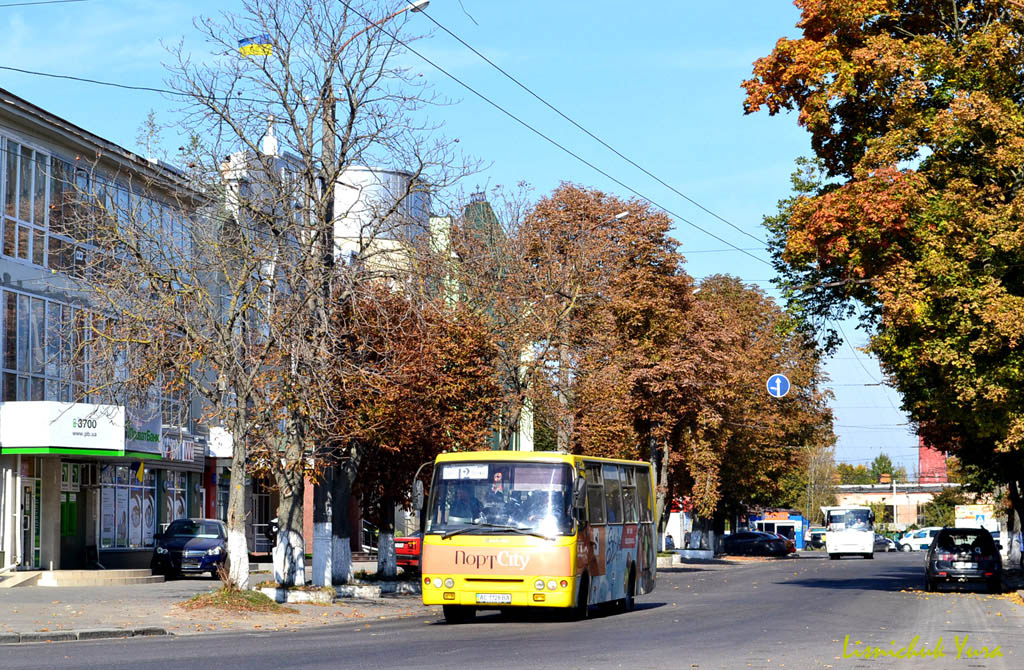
465 505
496 493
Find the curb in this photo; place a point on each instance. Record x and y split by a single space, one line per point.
87 634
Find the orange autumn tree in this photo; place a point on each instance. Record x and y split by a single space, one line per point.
423 384
764 441
913 205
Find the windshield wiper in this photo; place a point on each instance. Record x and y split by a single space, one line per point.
494 526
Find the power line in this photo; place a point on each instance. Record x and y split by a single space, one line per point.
130 87
551 141
39 2
590 134
453 78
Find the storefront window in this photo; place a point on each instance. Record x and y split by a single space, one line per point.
174 501
127 507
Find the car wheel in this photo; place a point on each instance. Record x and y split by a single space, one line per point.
904 547
456 614
995 585
929 584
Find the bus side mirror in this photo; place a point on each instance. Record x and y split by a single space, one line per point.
417 495
579 494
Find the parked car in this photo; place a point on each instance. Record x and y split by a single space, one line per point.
190 546
407 551
790 543
920 539
964 555
884 544
754 543
817 540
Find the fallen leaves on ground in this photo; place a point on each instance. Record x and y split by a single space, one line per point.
234 600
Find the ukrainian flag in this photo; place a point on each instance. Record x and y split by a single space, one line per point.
260 45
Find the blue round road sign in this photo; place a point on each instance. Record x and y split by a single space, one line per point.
778 386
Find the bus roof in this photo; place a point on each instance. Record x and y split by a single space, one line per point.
834 508
526 456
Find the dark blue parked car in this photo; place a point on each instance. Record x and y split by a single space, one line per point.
190 546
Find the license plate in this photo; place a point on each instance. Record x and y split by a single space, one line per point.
190 564
964 565
491 598
399 545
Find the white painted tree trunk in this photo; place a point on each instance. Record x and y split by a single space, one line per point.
289 559
238 558
238 545
323 554
387 565
342 560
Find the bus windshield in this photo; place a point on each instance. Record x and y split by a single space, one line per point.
497 497
851 519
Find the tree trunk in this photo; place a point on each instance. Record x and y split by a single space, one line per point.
323 524
238 547
290 550
341 527
1015 555
387 565
662 504
565 419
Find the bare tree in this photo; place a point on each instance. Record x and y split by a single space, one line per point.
308 174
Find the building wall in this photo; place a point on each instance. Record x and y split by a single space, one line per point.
45 164
931 464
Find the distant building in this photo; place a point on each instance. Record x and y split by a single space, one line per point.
904 503
482 223
931 464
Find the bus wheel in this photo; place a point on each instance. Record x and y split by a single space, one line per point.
455 614
833 557
630 601
869 555
582 608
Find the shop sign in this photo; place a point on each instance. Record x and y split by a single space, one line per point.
142 434
177 449
142 429
221 444
50 424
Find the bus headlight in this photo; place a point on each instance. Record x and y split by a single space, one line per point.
539 585
449 583
552 585
437 582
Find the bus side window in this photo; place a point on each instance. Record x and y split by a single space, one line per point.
644 494
629 501
612 493
595 495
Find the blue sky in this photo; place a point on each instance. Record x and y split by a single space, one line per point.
657 80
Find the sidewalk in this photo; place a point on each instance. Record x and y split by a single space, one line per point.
39 614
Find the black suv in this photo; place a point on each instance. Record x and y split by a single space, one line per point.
964 555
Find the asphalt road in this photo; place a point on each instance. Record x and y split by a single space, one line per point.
794 613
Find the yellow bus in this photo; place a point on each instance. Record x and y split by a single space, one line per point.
537 529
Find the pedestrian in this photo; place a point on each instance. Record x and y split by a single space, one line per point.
670 544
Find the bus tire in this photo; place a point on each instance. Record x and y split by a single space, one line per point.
833 557
582 608
629 602
869 556
456 614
